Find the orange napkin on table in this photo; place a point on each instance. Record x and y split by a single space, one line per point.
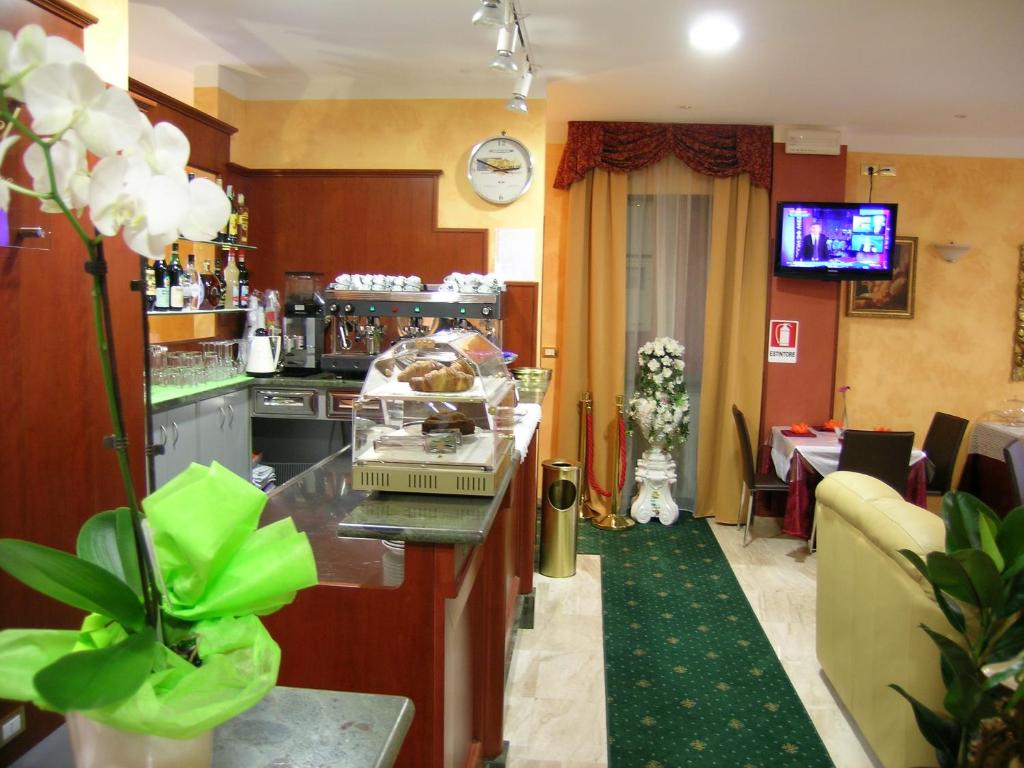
800 428
883 429
833 424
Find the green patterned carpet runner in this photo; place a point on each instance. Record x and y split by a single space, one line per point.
691 677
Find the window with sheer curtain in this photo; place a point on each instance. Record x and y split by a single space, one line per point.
668 241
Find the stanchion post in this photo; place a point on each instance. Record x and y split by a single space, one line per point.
615 521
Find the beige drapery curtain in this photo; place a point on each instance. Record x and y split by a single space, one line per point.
592 327
738 273
592 318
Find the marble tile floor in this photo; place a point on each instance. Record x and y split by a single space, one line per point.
555 710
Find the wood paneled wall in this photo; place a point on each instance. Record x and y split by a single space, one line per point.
335 221
54 472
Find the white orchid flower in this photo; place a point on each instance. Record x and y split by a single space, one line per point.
125 193
70 169
30 49
208 209
5 191
164 146
64 95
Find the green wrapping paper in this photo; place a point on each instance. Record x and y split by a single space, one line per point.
218 572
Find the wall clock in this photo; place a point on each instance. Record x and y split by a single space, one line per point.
500 169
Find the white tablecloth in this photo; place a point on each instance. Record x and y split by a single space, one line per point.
990 437
527 418
821 452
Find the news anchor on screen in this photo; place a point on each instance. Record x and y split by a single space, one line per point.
813 247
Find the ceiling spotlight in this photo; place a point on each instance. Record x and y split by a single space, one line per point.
714 34
489 14
503 62
522 89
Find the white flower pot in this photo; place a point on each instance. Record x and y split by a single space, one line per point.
96 745
655 472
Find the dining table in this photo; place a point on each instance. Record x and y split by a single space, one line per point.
985 474
803 459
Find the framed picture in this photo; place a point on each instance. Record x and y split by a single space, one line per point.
887 298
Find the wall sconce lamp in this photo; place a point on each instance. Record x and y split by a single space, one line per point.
951 251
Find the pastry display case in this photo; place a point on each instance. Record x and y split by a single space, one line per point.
435 415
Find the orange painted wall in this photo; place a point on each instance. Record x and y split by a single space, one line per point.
803 391
955 354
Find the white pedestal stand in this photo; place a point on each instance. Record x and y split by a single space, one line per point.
656 472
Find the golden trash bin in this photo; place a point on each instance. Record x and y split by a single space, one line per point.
561 497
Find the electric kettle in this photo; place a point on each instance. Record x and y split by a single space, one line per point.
264 354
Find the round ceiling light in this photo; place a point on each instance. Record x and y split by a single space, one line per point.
714 34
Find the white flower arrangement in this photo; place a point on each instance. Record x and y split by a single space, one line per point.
660 404
139 184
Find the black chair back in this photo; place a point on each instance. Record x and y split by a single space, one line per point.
942 444
885 455
1014 455
745 449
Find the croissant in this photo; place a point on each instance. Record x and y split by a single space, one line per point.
463 366
419 368
443 380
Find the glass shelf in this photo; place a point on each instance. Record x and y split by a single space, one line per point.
241 246
179 313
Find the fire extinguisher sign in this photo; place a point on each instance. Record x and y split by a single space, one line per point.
782 335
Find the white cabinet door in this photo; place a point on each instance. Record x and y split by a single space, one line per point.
177 431
237 437
212 416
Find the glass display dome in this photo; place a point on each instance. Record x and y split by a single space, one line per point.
435 415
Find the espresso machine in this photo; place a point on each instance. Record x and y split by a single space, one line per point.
303 327
366 322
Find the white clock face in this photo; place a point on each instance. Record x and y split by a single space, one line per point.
500 170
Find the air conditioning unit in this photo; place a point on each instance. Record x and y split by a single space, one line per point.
812 141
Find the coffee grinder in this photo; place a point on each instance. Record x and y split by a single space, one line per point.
303 322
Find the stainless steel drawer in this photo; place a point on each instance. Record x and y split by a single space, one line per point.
292 403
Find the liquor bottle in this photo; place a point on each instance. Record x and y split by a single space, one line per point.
163 286
177 294
231 282
194 296
243 219
150 285
218 272
243 281
211 287
233 216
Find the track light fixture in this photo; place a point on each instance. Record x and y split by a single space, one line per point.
519 93
504 62
511 34
489 14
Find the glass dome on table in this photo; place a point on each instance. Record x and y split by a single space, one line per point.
435 415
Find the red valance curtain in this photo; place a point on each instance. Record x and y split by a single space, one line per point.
713 150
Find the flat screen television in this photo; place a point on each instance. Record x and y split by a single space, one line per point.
835 241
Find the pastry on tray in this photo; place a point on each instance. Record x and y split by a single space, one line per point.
449 421
445 379
419 368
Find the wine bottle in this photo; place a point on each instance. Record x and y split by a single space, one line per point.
150 285
243 282
177 294
218 272
243 220
231 282
194 297
163 286
211 287
222 235
233 216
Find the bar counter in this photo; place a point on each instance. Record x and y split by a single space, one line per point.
417 596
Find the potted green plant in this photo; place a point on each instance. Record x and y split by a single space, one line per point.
979 586
172 644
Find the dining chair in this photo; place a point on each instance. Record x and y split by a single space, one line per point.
1014 456
885 455
753 483
941 446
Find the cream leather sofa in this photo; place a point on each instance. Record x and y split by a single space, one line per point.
871 602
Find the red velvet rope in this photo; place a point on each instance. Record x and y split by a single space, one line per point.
590 457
